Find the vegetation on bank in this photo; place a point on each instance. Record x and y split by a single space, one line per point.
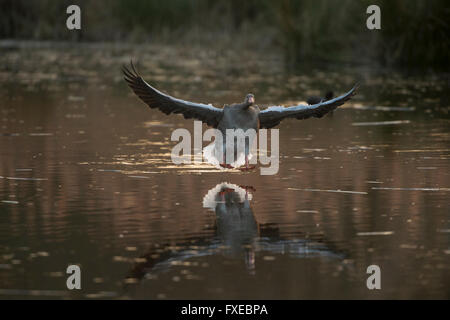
414 32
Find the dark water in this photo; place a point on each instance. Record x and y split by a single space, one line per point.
86 178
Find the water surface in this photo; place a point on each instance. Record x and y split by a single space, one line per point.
86 178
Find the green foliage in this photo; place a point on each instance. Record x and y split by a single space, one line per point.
414 32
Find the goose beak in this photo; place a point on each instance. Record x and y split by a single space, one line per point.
251 100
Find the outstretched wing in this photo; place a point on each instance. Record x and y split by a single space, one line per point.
272 116
167 104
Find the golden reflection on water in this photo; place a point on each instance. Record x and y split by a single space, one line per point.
86 177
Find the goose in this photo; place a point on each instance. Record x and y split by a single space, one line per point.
245 115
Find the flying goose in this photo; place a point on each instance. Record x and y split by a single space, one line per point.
245 115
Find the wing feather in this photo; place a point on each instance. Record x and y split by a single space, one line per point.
272 116
156 99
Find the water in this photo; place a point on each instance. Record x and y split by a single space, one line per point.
86 178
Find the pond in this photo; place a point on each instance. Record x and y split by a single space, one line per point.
86 178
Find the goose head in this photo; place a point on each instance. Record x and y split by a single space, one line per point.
249 100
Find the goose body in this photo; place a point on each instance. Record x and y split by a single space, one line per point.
245 115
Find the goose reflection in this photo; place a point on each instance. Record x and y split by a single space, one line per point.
237 235
236 225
